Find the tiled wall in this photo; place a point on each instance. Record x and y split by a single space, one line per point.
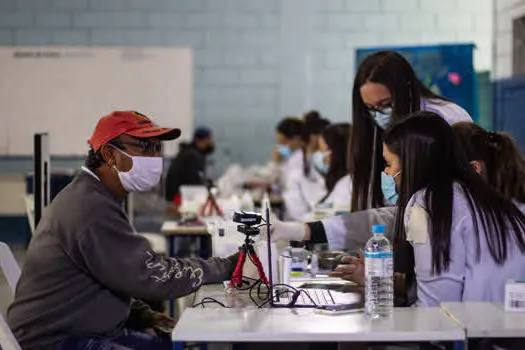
256 60
506 12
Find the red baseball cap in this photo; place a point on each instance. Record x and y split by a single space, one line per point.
131 123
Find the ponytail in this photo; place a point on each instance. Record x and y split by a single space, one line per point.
508 176
504 165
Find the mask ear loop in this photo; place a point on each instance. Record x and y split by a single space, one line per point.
122 152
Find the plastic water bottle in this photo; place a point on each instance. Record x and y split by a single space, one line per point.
379 274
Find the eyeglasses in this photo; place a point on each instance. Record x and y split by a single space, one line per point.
148 147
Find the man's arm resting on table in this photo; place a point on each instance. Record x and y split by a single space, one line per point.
124 262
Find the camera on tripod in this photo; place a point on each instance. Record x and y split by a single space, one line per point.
247 220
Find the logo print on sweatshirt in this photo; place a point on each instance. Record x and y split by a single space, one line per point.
177 271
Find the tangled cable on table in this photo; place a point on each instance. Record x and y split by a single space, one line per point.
255 285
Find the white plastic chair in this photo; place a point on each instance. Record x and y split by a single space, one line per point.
9 266
7 339
12 272
29 201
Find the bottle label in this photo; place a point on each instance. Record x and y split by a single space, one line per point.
379 264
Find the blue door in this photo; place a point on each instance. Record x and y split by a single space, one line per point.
509 108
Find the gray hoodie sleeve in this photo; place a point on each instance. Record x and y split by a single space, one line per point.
351 231
124 262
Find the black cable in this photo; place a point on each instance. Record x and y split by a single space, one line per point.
208 300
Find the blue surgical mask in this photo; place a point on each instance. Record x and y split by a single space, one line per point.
382 118
388 186
285 151
318 160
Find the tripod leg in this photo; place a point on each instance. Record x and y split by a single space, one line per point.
258 264
237 273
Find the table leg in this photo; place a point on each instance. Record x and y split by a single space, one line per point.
205 246
171 245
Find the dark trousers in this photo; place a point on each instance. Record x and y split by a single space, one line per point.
127 340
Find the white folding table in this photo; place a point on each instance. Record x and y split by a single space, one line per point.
486 320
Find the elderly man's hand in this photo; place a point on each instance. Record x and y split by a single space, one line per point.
353 269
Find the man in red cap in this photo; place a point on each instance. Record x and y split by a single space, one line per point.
85 263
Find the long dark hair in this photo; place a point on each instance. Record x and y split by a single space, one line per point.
503 163
432 160
395 72
337 137
314 124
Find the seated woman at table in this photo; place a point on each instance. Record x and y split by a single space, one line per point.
468 238
331 161
295 169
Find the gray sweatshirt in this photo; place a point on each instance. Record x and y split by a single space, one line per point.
84 265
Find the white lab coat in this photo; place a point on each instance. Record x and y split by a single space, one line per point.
301 193
353 230
292 165
341 195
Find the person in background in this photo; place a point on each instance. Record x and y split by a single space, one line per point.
496 157
331 161
189 166
314 124
467 232
288 153
85 264
306 187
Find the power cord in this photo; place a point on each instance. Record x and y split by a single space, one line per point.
258 296
208 300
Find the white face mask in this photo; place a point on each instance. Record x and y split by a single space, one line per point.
143 175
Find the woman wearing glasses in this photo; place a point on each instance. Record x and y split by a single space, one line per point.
386 89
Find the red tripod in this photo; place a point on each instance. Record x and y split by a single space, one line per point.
247 249
211 205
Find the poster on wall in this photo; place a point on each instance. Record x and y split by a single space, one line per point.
447 70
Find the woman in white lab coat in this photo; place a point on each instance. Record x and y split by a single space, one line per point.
303 185
288 154
386 89
331 161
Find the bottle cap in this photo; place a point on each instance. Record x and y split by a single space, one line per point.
378 229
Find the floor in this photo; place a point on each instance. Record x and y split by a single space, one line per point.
6 295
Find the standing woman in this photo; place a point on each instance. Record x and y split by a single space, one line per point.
386 89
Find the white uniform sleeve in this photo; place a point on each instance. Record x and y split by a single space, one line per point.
352 230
